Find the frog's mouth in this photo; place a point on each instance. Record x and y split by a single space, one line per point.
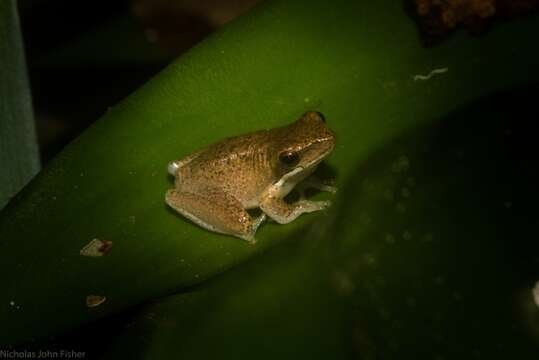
318 160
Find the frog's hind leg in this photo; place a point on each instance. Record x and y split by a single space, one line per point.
215 210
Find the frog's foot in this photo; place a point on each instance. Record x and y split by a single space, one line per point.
283 213
312 182
250 237
215 210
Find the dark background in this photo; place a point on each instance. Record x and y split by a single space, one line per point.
76 68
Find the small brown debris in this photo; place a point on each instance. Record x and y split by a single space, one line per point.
95 300
96 248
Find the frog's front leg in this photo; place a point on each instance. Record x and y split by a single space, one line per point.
283 212
215 210
313 182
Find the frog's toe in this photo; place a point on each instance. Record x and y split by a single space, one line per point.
250 238
322 185
327 185
329 188
326 203
311 206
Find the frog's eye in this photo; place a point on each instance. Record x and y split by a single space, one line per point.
322 117
289 158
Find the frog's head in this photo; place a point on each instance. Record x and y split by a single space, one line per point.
305 143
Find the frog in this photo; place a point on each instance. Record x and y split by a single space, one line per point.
215 186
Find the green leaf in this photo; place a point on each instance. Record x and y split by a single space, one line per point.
18 147
439 261
354 61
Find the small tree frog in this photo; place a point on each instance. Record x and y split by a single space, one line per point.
216 185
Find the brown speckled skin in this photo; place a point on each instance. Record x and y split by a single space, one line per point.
216 184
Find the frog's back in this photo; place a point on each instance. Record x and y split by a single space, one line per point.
239 165
233 147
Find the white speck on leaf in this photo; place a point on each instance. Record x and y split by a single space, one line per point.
433 72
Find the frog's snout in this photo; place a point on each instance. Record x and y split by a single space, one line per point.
173 167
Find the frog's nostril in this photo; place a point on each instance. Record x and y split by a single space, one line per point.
322 117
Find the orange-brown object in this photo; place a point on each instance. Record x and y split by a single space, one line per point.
438 18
